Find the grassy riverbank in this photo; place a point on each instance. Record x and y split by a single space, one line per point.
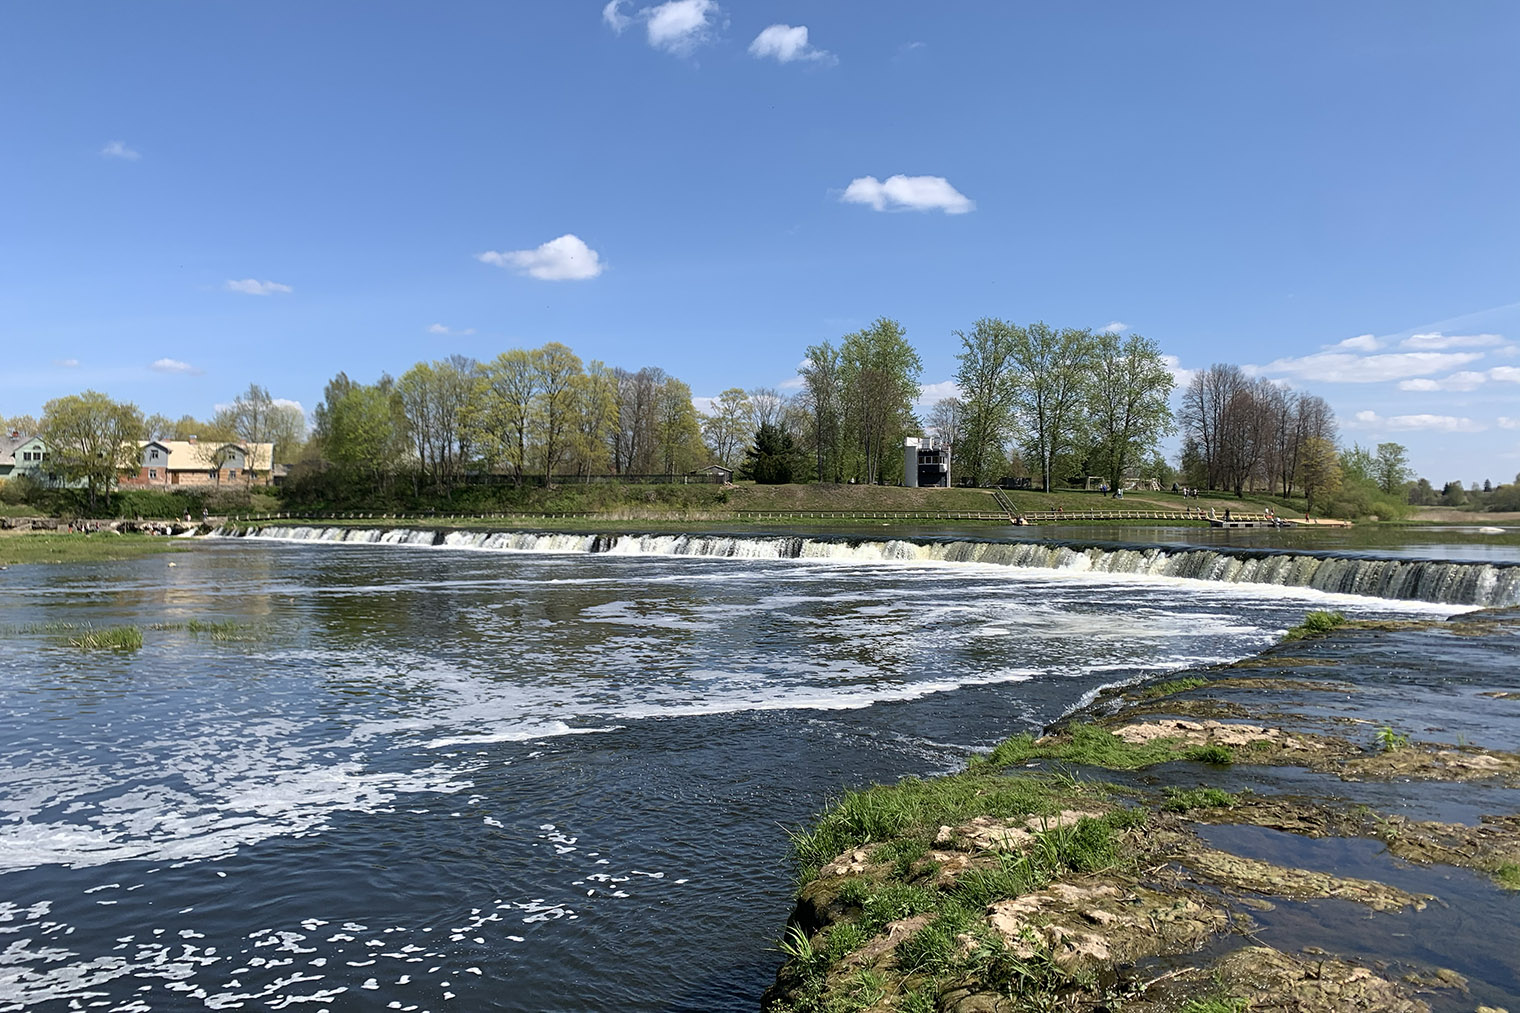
19 547
1169 850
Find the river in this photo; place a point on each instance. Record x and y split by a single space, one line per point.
519 775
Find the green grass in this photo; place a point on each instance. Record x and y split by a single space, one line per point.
116 638
1316 624
101 546
910 811
1092 746
1508 876
1215 1004
1172 686
1389 740
1180 801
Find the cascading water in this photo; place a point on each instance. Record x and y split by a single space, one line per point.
1454 583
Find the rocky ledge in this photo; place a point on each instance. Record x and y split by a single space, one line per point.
1328 826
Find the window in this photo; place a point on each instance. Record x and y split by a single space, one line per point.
153 472
233 473
153 455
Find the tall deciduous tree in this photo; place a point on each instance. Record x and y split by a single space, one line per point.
879 374
1051 390
1392 467
248 418
595 418
728 425
988 382
1129 397
501 415
823 396
1320 472
678 432
556 370
948 420
90 438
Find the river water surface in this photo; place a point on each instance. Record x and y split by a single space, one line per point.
423 777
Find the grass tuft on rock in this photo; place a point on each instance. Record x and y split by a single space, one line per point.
1172 686
1180 801
115 638
1092 746
1316 624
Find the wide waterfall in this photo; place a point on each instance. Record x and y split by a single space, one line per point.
1455 583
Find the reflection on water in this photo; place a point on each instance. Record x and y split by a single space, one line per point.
510 781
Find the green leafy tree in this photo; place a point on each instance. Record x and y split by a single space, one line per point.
988 381
1391 467
678 433
728 425
879 374
1129 397
91 438
556 371
1320 472
823 398
1051 390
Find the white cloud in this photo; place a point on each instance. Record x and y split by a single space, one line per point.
66 363
1114 327
787 44
908 193
1436 423
1181 376
252 286
442 329
1508 423
704 405
1360 343
1509 374
613 15
1466 380
929 393
175 366
676 26
1439 341
1345 367
119 149
564 259
795 383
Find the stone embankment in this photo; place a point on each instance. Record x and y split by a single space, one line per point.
1332 825
133 526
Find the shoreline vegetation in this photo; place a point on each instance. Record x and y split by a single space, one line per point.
1165 849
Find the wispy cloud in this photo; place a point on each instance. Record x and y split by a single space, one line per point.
252 286
1434 423
930 393
1114 327
788 44
1347 367
119 149
1505 374
1360 343
1466 380
445 330
66 363
567 258
676 26
175 366
1508 423
1440 342
908 193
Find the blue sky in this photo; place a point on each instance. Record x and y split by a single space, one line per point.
194 196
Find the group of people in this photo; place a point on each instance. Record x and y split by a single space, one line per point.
1185 491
